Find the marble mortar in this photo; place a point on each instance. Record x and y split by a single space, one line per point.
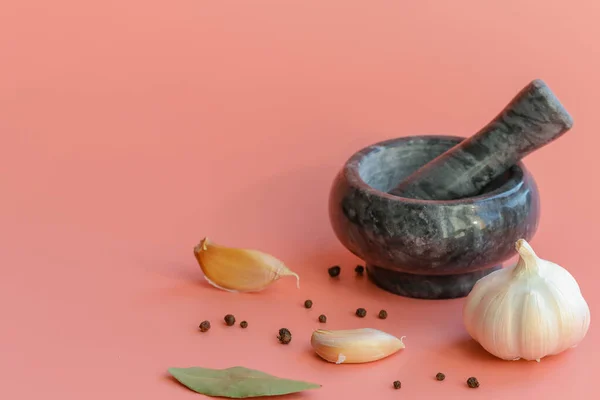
428 249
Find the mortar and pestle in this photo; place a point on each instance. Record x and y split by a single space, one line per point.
430 215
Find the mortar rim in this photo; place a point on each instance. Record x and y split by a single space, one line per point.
351 170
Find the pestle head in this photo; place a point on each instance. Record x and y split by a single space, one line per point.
532 119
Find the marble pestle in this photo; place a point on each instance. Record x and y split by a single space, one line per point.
532 119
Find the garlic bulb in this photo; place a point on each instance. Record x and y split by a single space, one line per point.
239 270
354 346
530 310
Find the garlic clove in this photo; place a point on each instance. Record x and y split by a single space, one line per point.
239 270
530 310
354 346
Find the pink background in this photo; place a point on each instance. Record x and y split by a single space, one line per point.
131 129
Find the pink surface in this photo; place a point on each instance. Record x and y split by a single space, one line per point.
131 129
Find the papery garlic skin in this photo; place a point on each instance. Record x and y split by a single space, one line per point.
239 270
528 311
354 346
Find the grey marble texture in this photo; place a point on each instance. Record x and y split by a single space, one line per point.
532 119
425 248
426 286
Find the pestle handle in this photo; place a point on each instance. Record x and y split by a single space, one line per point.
532 119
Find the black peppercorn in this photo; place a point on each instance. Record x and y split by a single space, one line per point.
397 385
322 318
383 314
361 312
229 320
283 331
472 382
308 304
334 271
243 324
285 336
359 269
204 326
440 377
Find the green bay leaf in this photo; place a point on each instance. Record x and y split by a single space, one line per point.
237 382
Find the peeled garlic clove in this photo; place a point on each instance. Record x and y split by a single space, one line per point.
239 270
354 346
528 311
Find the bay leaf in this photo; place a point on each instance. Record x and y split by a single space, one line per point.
237 382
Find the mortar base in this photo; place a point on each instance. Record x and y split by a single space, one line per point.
431 287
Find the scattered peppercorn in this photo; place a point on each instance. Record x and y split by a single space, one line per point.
334 271
472 382
284 330
322 318
397 385
440 377
285 336
359 269
361 312
308 304
204 326
383 314
229 320
243 324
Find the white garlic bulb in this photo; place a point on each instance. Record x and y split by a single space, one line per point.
528 311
